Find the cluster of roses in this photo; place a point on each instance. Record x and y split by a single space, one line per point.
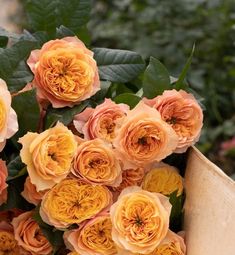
101 181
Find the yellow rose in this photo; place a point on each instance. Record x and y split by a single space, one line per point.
73 201
48 155
164 179
93 238
140 220
65 72
143 137
95 161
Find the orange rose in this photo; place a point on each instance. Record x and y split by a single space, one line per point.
8 117
140 220
95 161
92 238
8 244
101 121
31 194
3 184
29 235
182 111
65 72
72 202
144 137
48 155
164 179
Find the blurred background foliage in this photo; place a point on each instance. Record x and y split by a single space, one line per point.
167 30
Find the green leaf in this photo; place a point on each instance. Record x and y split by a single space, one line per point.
14 167
73 14
156 79
54 236
101 94
41 15
47 15
28 113
7 34
63 31
180 82
13 68
127 98
64 115
118 65
14 198
3 41
176 211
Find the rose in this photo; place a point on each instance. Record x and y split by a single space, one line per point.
140 220
95 161
8 244
130 177
3 184
92 238
101 121
182 111
31 194
173 244
72 202
163 179
65 72
48 155
29 235
8 117
143 137
73 253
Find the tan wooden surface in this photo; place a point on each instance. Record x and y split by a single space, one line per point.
209 208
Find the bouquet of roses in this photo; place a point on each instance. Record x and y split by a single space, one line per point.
91 143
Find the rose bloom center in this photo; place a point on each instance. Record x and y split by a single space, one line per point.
7 243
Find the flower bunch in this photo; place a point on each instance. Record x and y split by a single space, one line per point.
94 171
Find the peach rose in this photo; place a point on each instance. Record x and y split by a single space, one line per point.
29 235
95 161
8 117
92 238
140 220
143 137
164 179
65 72
182 111
48 155
173 244
130 177
31 194
101 121
3 184
72 202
